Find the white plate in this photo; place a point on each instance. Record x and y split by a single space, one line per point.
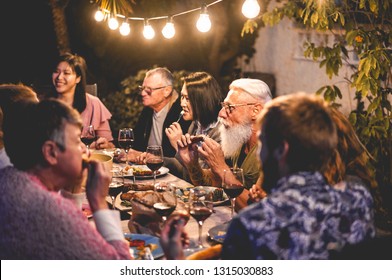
120 206
162 171
218 233
207 190
148 239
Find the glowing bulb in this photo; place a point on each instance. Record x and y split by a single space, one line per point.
99 16
125 29
251 8
204 22
168 31
148 31
113 23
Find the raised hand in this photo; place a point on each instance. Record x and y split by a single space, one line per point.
212 153
174 133
187 151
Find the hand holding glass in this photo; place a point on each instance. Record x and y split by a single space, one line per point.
200 210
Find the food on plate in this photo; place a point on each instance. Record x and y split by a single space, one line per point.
139 171
197 138
211 193
137 187
211 253
141 247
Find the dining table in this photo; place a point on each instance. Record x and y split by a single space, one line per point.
221 214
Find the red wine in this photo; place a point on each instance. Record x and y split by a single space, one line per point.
200 213
125 143
164 208
233 190
155 163
87 140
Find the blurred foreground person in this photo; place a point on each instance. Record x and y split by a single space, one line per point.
10 95
303 217
36 222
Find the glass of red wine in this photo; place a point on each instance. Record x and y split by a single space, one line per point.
125 139
233 185
200 210
154 159
167 199
88 135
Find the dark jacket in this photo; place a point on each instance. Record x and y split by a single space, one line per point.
143 128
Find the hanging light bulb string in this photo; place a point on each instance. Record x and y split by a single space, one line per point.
250 9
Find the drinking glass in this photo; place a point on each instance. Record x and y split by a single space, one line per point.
154 159
125 140
200 210
168 199
88 135
233 185
116 186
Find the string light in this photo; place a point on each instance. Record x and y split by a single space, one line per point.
251 8
113 23
204 23
125 29
169 31
99 15
148 31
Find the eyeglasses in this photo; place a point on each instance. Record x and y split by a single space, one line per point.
230 107
149 90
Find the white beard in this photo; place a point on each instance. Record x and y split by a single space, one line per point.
232 138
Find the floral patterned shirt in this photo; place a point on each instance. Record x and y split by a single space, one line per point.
302 218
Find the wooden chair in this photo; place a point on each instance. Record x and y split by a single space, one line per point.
92 89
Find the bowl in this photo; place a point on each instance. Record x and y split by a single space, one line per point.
106 159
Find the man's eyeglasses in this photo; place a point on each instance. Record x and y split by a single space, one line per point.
230 107
149 90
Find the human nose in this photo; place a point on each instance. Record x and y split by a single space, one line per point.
222 113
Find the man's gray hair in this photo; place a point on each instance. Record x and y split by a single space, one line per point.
163 72
254 87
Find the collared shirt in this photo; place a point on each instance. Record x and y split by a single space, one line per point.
302 218
4 159
158 118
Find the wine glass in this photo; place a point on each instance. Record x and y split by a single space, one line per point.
168 199
116 186
233 185
125 140
200 210
88 135
154 159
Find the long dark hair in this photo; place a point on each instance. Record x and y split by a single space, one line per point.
205 96
79 66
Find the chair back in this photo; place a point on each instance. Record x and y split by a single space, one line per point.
92 89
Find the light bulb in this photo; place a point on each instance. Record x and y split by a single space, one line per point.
250 8
148 31
204 22
168 31
125 29
99 16
113 23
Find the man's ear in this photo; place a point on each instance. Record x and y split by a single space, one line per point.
50 152
256 110
280 153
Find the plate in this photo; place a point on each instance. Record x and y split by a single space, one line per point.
162 171
182 193
218 233
119 205
153 241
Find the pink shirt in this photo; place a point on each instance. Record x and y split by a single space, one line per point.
98 115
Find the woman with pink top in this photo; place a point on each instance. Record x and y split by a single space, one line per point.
69 81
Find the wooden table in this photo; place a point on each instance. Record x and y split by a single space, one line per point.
221 213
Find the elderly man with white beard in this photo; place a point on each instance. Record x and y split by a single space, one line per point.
238 148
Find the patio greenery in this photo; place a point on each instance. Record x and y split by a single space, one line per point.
364 28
